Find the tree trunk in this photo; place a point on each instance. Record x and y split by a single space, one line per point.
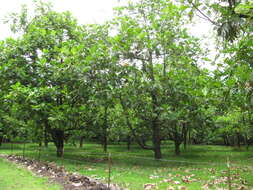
105 143
185 143
143 141
225 140
177 148
58 137
105 126
156 140
238 140
81 142
234 140
46 134
128 142
185 132
246 142
74 142
1 140
157 150
46 143
59 150
156 136
189 137
177 140
228 140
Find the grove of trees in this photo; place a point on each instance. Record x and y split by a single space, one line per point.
134 79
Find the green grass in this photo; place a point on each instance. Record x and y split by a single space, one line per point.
132 169
16 178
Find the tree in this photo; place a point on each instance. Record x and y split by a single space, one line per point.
46 62
154 45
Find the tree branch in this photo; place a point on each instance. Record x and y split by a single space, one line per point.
204 15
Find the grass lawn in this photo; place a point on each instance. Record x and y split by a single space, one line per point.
16 178
197 168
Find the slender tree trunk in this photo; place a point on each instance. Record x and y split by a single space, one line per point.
74 142
228 140
58 134
105 143
234 140
45 143
46 128
189 137
143 141
1 140
238 140
246 142
105 126
225 140
185 143
177 140
81 142
128 142
185 132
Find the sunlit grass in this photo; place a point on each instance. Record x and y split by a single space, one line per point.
16 178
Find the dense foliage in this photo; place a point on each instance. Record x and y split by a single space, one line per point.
135 79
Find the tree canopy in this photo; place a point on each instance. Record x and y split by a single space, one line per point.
136 78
